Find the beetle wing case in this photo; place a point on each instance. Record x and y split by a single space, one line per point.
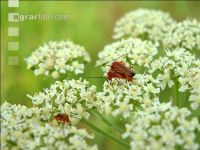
122 69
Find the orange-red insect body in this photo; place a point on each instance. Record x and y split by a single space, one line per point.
114 74
119 70
120 66
62 118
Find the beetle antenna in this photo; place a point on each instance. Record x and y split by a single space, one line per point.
115 60
96 77
119 57
107 65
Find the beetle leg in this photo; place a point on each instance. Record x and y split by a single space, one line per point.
109 81
117 81
58 124
63 124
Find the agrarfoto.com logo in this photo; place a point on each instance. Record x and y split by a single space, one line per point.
35 17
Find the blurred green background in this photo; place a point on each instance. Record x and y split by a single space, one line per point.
90 24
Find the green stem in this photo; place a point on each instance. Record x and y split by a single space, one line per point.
108 122
104 133
195 113
183 99
177 100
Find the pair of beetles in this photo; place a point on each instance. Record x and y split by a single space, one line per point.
117 70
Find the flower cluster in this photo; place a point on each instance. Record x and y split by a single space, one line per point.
177 65
183 34
22 130
71 97
55 58
121 97
137 52
162 126
143 23
16 117
181 66
158 26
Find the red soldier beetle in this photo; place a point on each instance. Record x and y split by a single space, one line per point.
62 118
116 74
119 70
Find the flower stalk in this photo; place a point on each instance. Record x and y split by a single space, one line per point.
116 128
119 141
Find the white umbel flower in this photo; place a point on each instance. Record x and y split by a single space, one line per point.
137 52
162 126
21 128
58 57
184 34
12 116
182 67
124 97
72 97
143 23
